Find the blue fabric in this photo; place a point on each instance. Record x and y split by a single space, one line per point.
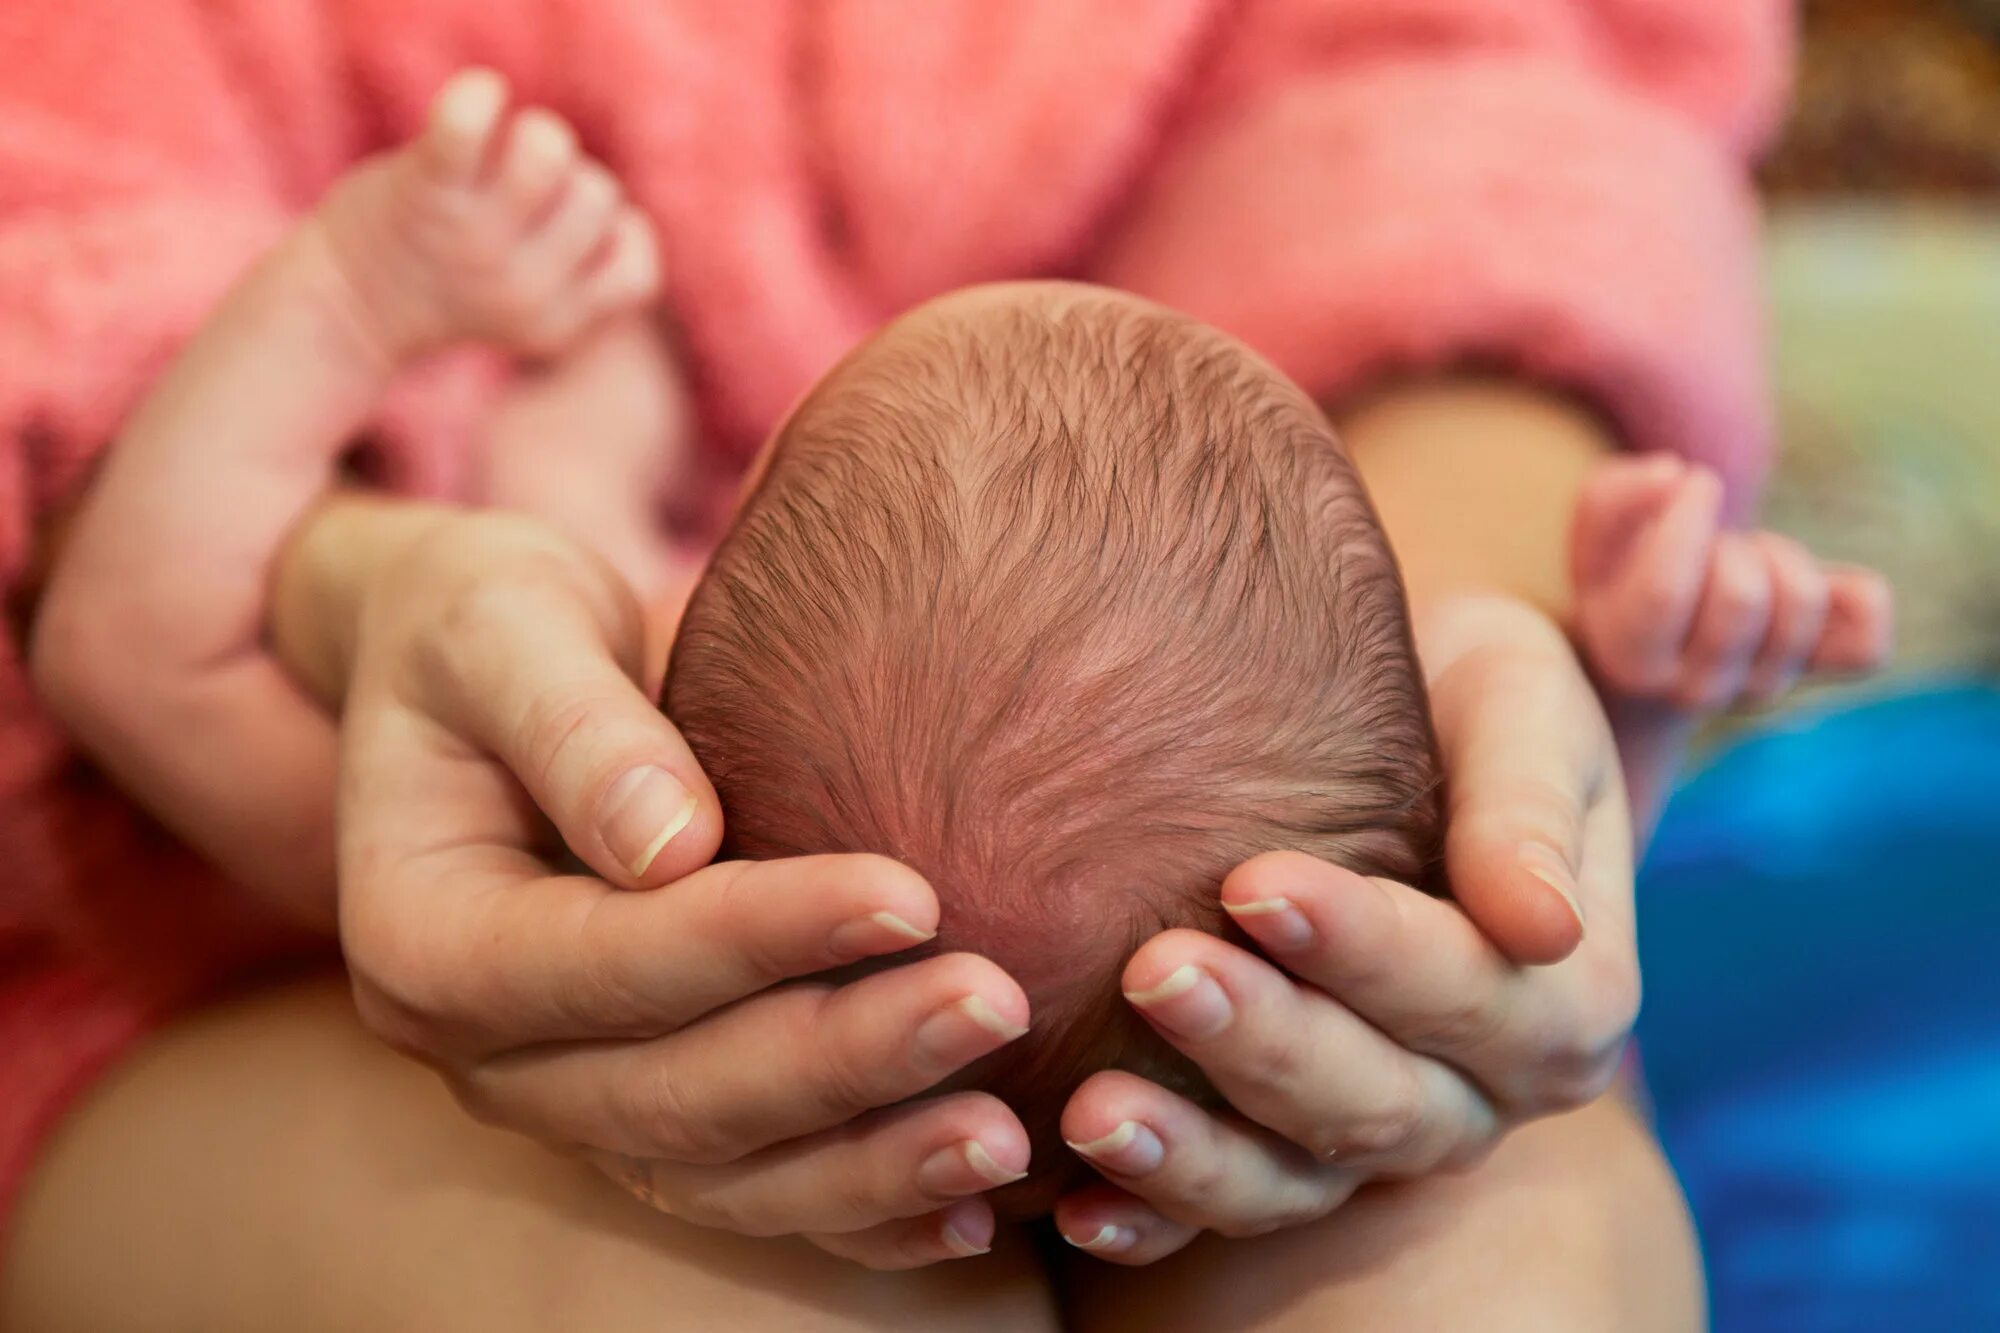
1820 927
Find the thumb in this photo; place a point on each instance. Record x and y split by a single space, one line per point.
550 686
1523 747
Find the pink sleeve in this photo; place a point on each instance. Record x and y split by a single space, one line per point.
1557 188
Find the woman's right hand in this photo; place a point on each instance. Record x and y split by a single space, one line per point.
637 1016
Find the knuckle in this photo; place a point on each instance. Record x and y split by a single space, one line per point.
1660 596
554 729
1387 1129
1246 1228
1468 1024
738 913
714 1209
1543 810
475 1099
658 1113
396 1025
1274 1065
1205 1189
843 1079
401 986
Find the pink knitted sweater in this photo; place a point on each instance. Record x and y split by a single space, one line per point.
1356 187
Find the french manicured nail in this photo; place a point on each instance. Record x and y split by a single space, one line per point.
1108 1240
1189 1002
641 813
961 1247
1546 866
876 933
1276 922
1129 1150
963 1030
963 1168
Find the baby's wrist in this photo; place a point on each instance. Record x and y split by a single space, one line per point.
374 305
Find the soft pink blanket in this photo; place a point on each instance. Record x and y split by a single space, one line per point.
1356 187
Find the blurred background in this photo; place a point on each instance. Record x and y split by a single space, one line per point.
1820 914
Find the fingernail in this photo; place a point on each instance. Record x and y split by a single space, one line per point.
960 1246
878 932
1130 1150
1541 862
1276 922
1188 1002
1108 1240
641 814
963 1030
944 1174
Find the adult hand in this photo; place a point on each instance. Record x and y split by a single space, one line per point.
636 1016
1391 1033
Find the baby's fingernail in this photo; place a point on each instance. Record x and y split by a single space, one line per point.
641 813
1189 1002
1108 1240
876 933
1129 1150
1550 869
963 1030
961 1247
1276 922
963 1168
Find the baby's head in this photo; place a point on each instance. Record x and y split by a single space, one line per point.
1072 605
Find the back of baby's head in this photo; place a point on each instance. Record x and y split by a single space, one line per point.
1072 605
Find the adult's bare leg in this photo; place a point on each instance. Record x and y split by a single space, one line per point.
266 1164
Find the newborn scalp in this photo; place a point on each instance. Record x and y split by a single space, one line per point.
1072 604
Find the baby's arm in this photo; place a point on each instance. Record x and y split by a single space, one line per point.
148 643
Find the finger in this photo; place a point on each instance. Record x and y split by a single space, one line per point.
1800 596
1108 1223
464 943
1418 970
901 1163
963 1230
823 1056
576 226
1650 601
627 273
541 670
1524 743
535 165
463 119
1860 623
1302 1065
1731 622
1211 1172
1622 497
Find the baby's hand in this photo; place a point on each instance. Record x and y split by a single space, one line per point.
492 225
1672 608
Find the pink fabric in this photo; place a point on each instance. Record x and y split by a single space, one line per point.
1357 187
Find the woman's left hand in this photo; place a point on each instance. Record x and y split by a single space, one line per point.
1398 1033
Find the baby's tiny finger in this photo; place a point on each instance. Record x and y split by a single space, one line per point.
1622 496
1652 600
462 121
1860 623
1799 599
625 272
540 152
1729 625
